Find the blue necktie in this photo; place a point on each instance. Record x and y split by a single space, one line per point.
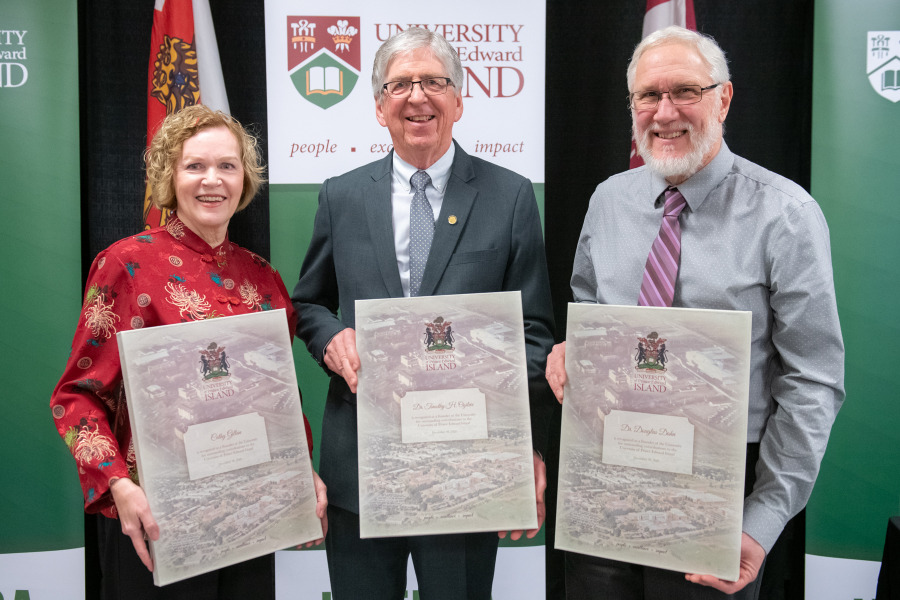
421 231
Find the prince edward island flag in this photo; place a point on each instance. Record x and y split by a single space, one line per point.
323 57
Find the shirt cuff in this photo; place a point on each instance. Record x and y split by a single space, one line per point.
762 524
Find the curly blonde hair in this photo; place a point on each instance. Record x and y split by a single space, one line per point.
165 152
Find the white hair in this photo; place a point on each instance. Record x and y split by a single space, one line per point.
705 46
409 40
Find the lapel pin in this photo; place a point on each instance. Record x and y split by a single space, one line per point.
452 219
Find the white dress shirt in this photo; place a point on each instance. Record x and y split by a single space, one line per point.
401 198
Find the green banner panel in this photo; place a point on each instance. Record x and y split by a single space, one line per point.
855 167
292 210
41 249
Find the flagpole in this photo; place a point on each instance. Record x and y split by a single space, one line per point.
183 55
659 15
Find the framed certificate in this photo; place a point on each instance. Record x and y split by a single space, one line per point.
443 416
219 440
654 436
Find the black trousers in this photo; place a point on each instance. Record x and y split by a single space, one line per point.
448 567
593 578
124 576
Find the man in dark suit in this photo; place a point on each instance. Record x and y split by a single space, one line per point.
366 244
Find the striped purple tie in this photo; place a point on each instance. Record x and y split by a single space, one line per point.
658 286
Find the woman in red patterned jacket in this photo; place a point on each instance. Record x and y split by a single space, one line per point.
205 166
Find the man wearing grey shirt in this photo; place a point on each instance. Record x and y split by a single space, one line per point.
749 240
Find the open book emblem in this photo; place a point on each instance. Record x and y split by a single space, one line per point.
883 63
323 57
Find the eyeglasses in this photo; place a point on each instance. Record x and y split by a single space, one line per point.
433 86
681 95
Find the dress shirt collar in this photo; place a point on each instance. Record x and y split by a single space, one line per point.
698 186
439 171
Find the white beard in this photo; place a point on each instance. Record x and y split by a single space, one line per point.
680 167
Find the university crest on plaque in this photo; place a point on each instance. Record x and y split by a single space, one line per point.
651 353
438 335
214 362
323 57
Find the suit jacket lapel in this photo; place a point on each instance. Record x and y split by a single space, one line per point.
377 199
458 200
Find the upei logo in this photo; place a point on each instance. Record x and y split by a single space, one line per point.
323 57
651 353
883 63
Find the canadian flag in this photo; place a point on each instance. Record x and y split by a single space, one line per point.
661 14
183 55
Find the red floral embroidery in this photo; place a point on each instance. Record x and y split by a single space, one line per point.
89 404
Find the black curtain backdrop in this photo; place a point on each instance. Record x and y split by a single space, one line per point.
588 127
768 44
114 41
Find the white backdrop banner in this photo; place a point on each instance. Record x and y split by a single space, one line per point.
829 578
321 111
319 70
42 575
304 575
